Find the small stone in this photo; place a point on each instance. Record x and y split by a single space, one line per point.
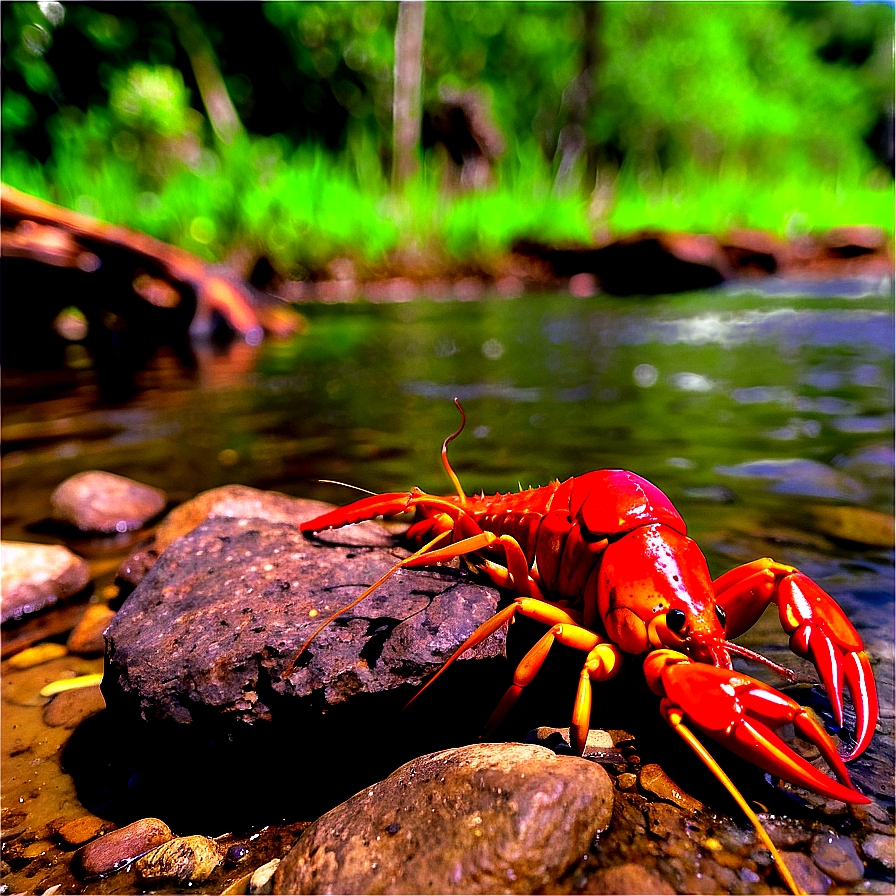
96 501
34 576
626 781
808 876
837 857
70 708
879 848
630 878
237 853
116 849
873 817
186 860
783 833
262 881
654 780
72 683
598 747
87 636
80 830
40 653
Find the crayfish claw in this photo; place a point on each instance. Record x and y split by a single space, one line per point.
741 713
860 681
821 633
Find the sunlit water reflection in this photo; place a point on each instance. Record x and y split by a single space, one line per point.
755 414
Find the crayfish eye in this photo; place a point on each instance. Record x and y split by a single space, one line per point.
720 615
675 620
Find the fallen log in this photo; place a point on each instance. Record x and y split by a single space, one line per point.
49 234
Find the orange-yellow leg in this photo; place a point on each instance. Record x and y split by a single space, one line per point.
740 712
602 662
818 629
527 606
675 717
516 574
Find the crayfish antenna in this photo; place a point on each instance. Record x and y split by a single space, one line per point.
748 654
357 488
676 720
463 422
365 593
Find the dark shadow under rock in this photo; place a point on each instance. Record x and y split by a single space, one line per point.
195 664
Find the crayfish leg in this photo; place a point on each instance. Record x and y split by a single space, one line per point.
675 717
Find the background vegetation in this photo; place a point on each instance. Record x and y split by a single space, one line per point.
268 127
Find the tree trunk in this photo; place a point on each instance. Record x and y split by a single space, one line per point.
579 97
406 111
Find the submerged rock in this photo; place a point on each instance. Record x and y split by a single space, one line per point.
484 818
797 476
34 576
227 607
837 857
87 636
96 501
70 708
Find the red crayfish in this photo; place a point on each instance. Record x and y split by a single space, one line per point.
604 559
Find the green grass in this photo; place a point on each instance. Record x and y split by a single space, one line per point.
305 207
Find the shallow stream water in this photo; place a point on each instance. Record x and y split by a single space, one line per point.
759 415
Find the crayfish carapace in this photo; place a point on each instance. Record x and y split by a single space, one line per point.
604 559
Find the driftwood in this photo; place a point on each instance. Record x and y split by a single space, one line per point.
46 233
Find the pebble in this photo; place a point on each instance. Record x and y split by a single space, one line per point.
626 781
40 653
629 878
806 873
71 684
879 848
261 882
70 708
654 780
873 817
837 857
33 576
186 860
80 830
116 849
96 501
87 635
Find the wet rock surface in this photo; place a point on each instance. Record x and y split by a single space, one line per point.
478 819
226 608
35 576
185 860
119 847
228 502
96 501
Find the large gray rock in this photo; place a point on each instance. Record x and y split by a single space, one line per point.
214 625
485 818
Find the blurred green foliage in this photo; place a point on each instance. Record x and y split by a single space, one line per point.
704 116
